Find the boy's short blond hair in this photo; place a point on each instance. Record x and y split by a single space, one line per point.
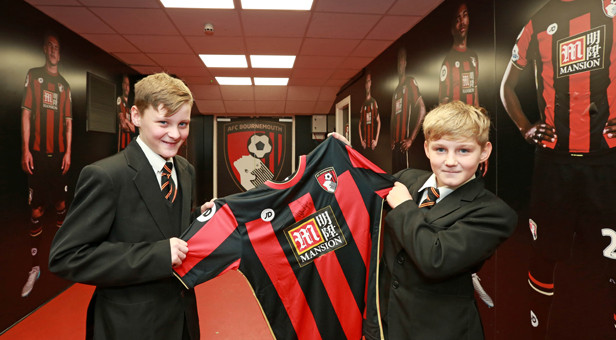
457 120
161 88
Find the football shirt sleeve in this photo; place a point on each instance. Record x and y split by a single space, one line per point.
214 246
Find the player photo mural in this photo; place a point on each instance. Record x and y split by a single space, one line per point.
126 130
253 152
407 112
569 46
369 119
460 70
46 133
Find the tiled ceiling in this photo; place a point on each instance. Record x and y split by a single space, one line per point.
332 42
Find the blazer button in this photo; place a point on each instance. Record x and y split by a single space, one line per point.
395 284
401 259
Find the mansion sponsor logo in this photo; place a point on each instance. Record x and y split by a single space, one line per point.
468 82
50 100
314 236
582 52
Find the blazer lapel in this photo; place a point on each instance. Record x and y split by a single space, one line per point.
147 185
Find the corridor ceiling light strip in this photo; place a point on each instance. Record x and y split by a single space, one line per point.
293 5
211 4
224 60
272 61
234 80
271 81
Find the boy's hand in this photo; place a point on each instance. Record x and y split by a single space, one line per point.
340 138
179 248
398 195
207 205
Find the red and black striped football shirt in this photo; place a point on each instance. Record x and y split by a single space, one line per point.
459 76
404 106
125 136
308 246
574 54
48 98
367 120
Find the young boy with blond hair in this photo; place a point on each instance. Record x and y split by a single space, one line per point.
121 231
442 227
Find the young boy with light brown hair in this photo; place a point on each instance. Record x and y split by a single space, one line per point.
121 231
442 227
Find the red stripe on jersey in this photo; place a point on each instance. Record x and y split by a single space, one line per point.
359 161
547 75
611 89
37 118
281 274
280 151
579 93
522 45
206 240
469 96
340 294
332 276
358 220
61 117
455 74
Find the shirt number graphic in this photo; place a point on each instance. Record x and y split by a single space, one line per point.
610 250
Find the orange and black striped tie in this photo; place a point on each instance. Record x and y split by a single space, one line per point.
430 200
166 184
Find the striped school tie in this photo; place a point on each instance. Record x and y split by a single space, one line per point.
430 200
167 186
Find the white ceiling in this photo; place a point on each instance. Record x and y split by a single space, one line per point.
332 42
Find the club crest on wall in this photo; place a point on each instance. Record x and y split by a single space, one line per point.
253 151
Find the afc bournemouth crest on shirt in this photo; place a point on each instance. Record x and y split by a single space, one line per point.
609 8
327 179
314 236
253 151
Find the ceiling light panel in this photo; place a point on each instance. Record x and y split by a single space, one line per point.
211 4
233 80
272 61
271 81
294 5
224 60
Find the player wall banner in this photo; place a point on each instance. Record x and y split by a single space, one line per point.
250 152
